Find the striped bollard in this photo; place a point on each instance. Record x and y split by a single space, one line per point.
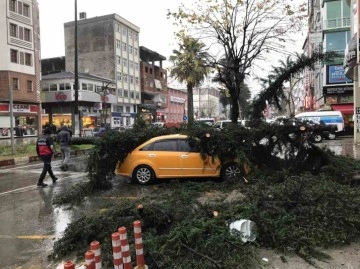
89 259
116 247
125 249
69 265
139 248
95 247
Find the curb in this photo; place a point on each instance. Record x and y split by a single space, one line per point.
29 159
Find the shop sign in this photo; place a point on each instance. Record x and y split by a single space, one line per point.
21 108
104 98
336 75
61 97
337 90
177 99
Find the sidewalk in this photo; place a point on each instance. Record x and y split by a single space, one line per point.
29 159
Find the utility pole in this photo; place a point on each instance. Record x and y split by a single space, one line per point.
76 119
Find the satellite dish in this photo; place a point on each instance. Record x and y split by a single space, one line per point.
247 229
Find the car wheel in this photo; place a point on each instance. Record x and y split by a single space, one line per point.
143 174
331 136
230 171
317 137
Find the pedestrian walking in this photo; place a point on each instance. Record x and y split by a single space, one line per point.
64 139
45 150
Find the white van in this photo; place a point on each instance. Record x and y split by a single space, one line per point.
221 124
328 117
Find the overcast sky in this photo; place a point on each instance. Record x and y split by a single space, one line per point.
156 32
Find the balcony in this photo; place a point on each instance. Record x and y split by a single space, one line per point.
337 23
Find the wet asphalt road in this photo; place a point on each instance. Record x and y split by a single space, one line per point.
30 224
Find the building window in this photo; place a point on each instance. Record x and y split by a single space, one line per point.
135 51
130 49
130 34
120 95
84 86
29 84
124 31
16 84
119 78
127 109
131 80
27 34
20 7
45 88
137 96
53 87
118 29
125 62
26 10
118 60
137 81
28 59
13 30
126 93
12 5
118 44
14 56
125 78
131 64
124 46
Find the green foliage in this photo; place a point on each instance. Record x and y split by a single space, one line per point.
19 149
294 210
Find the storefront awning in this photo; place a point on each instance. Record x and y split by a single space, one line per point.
344 108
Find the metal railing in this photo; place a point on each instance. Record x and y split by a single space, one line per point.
336 23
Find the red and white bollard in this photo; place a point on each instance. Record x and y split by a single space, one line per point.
116 247
89 259
95 247
139 248
69 265
125 249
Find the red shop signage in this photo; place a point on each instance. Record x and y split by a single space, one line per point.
60 96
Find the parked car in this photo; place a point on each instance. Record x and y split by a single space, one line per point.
221 124
158 124
173 156
98 132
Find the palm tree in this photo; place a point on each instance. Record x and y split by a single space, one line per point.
190 67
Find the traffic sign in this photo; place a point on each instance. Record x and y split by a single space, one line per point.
185 118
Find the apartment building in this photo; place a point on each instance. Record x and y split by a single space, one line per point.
154 91
19 68
327 87
351 63
108 46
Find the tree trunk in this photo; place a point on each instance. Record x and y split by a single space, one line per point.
234 110
190 104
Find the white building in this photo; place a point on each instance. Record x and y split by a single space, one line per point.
19 67
108 46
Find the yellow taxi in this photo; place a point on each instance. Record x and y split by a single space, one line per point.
173 156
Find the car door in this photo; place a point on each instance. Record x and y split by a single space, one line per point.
165 158
191 162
